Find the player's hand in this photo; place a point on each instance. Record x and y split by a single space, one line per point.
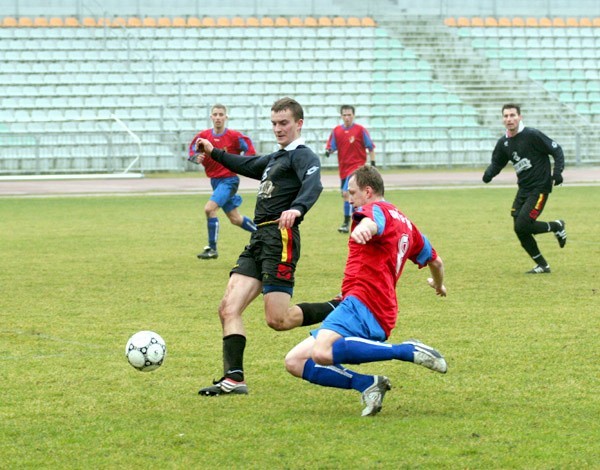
441 291
196 158
327 153
287 218
204 146
361 234
558 179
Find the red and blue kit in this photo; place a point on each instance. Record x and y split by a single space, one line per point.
368 272
230 141
350 143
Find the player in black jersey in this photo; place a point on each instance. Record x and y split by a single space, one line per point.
290 183
528 150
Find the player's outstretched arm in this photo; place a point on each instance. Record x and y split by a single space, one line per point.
436 281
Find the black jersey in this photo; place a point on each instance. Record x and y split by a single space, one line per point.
528 152
289 179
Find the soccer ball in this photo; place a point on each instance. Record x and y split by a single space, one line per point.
146 350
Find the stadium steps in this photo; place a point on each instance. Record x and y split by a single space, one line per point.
482 83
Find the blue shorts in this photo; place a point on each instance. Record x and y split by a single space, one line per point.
225 193
344 184
352 318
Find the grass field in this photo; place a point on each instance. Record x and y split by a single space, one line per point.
80 275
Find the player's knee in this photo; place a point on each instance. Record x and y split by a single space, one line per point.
523 226
294 365
277 322
322 355
226 311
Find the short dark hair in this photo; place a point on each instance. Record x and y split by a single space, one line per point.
512 106
291 104
218 106
368 175
347 106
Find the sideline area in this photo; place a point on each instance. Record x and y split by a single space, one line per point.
200 184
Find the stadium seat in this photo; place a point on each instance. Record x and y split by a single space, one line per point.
368 22
585 22
266 21
208 22
545 22
71 22
450 21
531 22
89 22
193 22
491 22
463 22
504 22
134 22
40 21
55 22
9 22
338 21
25 22
164 22
324 21
179 22
477 21
149 22
558 23
310 22
118 21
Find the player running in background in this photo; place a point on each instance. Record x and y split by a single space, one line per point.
290 184
528 149
350 141
381 241
224 182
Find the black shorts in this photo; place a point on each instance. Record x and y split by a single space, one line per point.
528 204
271 257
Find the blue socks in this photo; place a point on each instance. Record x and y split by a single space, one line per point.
359 351
335 376
248 225
347 209
213 232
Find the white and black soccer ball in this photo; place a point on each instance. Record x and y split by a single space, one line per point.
146 350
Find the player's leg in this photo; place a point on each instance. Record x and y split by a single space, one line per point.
362 340
234 216
345 227
526 226
243 287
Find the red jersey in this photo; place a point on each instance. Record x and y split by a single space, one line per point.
350 143
373 269
231 141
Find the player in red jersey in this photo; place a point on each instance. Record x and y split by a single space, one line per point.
224 182
350 141
381 241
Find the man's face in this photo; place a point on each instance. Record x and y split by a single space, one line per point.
511 120
219 118
347 117
285 128
358 197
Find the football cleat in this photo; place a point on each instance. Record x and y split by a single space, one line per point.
208 253
428 357
372 397
343 228
539 270
561 235
225 386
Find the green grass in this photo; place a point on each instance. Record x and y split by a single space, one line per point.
80 275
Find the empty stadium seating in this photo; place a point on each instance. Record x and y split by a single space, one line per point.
98 78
